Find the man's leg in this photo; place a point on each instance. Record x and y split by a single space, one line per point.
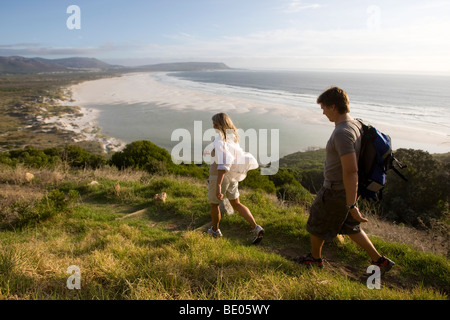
364 242
215 216
316 246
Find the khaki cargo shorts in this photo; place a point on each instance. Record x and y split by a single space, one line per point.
329 215
229 189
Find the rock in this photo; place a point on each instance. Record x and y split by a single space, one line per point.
29 176
160 197
93 183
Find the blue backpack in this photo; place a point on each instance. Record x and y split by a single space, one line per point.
375 159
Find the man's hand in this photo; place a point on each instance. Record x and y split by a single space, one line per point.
219 194
356 214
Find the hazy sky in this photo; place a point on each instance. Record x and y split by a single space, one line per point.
408 35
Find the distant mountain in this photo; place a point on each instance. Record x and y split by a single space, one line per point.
21 65
81 63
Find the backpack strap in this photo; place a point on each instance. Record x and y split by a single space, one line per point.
399 174
399 164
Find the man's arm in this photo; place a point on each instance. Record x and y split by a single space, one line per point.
350 177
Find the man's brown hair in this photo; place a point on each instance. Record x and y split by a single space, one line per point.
336 96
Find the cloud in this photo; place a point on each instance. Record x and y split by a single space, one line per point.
423 44
297 5
419 45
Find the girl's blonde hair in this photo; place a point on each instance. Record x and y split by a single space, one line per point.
224 125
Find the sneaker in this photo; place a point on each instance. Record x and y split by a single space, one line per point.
309 261
258 233
384 263
215 234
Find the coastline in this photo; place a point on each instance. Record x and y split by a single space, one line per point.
84 126
141 89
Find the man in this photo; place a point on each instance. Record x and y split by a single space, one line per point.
334 210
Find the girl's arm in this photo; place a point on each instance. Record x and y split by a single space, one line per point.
220 174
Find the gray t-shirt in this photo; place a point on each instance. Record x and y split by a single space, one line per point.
346 138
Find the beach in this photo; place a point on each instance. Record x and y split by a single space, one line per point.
84 126
139 88
137 106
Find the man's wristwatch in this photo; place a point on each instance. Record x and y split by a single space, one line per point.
350 207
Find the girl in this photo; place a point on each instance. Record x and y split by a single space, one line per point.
229 166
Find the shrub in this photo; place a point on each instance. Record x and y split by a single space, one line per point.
426 194
31 157
145 155
78 157
295 194
75 156
311 179
256 181
289 189
23 213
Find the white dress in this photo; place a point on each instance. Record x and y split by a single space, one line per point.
230 156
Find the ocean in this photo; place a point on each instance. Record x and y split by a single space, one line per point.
408 99
417 105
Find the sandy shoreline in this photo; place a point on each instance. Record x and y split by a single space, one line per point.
85 127
142 88
138 88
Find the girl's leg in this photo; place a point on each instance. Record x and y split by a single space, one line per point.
215 216
243 211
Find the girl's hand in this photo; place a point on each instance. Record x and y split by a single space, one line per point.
219 194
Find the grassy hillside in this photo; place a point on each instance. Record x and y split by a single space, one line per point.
129 247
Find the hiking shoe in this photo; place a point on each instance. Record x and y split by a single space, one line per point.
258 233
214 234
384 264
309 261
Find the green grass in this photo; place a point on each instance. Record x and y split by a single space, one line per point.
129 247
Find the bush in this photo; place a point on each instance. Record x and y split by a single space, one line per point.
256 181
295 194
23 213
289 189
311 179
426 194
78 157
145 155
282 177
30 157
75 156
307 167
